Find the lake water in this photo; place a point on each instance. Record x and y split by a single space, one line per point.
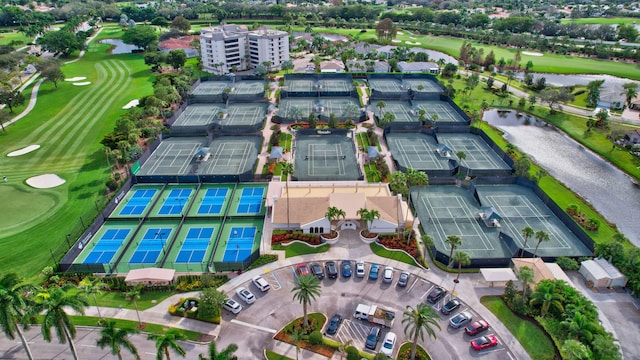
119 46
607 188
569 80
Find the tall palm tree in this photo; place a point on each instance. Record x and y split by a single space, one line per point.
526 232
306 290
368 216
454 241
116 339
225 354
13 306
547 297
93 287
168 341
381 105
419 320
630 92
541 235
133 295
428 242
462 156
462 259
51 302
525 275
333 214
286 169
580 327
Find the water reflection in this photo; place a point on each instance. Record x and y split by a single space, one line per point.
608 189
582 79
120 47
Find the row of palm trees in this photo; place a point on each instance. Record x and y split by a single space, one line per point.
528 232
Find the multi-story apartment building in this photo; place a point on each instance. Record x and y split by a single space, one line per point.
229 48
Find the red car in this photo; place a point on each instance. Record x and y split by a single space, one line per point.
303 269
476 327
484 342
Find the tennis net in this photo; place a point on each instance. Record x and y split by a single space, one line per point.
443 220
326 157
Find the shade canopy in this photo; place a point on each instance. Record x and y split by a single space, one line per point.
150 276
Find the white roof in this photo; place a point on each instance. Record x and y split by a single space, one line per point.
613 272
150 274
595 269
558 273
500 274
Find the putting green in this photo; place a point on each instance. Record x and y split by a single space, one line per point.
26 207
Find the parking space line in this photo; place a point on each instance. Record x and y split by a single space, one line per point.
273 331
428 291
412 285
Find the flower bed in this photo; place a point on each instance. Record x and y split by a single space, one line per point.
395 242
316 322
283 237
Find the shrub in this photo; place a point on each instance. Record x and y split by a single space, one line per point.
352 353
112 184
567 264
315 338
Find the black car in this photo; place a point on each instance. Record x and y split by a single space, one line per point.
450 307
436 294
373 338
332 270
334 324
316 270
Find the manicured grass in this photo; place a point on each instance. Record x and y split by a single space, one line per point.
8 37
297 249
537 344
68 123
116 299
270 355
394 255
369 172
602 21
405 349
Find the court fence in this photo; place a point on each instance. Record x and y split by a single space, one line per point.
282 117
318 91
218 266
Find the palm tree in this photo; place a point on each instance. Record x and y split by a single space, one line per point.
168 341
368 216
13 306
428 243
462 155
454 241
342 348
580 327
527 232
333 214
134 295
630 92
305 291
541 235
297 336
415 178
381 105
51 303
546 297
286 169
116 339
93 287
226 354
417 321
463 259
525 275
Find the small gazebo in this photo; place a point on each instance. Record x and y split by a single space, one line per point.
276 153
372 152
490 217
444 151
202 154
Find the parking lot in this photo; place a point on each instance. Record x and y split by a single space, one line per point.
253 328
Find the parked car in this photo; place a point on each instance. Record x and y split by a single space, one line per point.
360 269
316 270
373 338
476 327
232 306
261 283
450 307
373 271
345 268
334 324
246 295
388 344
460 319
436 294
302 269
484 342
332 270
387 276
403 280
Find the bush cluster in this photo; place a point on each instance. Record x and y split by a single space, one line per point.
287 237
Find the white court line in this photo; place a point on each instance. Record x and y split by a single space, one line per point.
261 328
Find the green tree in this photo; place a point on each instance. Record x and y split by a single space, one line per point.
385 30
133 295
313 120
580 327
287 170
541 235
177 58
160 21
462 155
168 341
415 178
154 59
454 241
93 287
525 275
387 119
547 298
526 232
287 66
140 36
522 166
333 214
116 339
297 336
575 350
11 98
367 216
381 105
225 354
60 42
295 112
13 307
211 301
627 32
593 92
462 259
53 73
181 24
417 321
51 302
305 291
630 92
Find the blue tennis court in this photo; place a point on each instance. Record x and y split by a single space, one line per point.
250 200
150 246
175 202
239 244
138 202
195 245
212 201
105 249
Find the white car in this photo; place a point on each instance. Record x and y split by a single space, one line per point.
232 306
388 344
360 269
246 295
261 283
387 276
461 319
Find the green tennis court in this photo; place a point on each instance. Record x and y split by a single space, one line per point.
416 151
343 108
231 155
444 110
479 154
299 85
194 246
199 115
422 85
108 242
210 88
173 157
295 109
401 109
240 114
389 86
211 200
248 87
174 201
325 157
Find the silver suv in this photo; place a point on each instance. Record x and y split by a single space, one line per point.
261 283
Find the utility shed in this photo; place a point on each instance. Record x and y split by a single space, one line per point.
616 278
593 272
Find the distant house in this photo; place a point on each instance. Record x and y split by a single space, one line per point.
331 66
418 67
612 98
633 137
361 65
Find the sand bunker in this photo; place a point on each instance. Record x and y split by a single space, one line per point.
46 181
132 103
82 83
24 150
532 53
413 43
77 78
396 41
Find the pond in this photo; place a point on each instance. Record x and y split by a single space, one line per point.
569 80
609 190
119 47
